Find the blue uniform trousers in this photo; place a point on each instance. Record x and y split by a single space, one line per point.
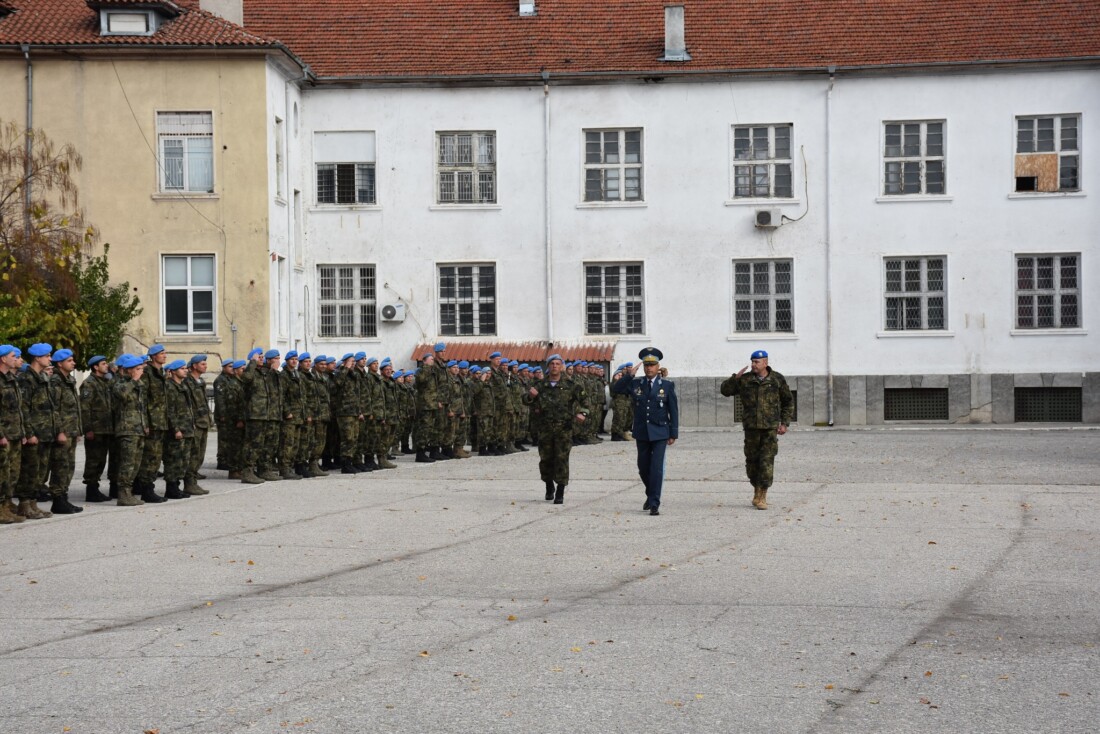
651 468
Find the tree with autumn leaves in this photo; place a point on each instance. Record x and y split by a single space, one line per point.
52 288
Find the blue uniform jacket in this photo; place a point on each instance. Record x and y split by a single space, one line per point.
656 411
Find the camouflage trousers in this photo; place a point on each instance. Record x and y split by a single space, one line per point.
368 438
462 432
152 453
349 435
320 440
62 466
34 464
231 446
484 431
289 437
261 445
554 448
131 451
761 446
11 457
100 453
426 431
198 452
177 457
306 436
447 430
623 417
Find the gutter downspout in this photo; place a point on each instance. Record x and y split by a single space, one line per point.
828 252
28 167
546 207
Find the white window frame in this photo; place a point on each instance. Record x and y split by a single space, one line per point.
466 153
622 300
923 294
186 140
1056 149
621 165
190 289
336 150
1056 292
152 22
361 310
280 159
769 293
476 300
768 161
921 159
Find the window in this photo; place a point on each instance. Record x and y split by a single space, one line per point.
466 170
280 164
914 158
127 22
762 162
188 294
613 299
916 294
348 301
1048 153
613 165
345 167
467 300
763 296
1047 291
186 142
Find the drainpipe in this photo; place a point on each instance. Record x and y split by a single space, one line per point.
28 167
546 206
828 252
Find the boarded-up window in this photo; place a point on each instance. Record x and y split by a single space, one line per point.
1048 154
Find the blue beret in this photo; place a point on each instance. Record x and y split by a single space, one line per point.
292 354
552 357
303 356
386 361
650 355
271 354
254 352
427 354
440 346
474 370
155 349
146 358
227 362
360 355
347 356
523 364
452 363
464 364
39 350
239 363
759 354
399 373
321 358
61 355
175 365
17 351
494 355
197 358
126 361
628 364
371 360
6 349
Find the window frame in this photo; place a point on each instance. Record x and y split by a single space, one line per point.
190 289
368 168
923 294
621 166
1056 292
360 329
476 300
152 21
475 168
771 297
770 162
1057 152
162 168
922 158
622 300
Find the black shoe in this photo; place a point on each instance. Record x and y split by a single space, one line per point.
43 496
347 468
654 511
423 457
519 445
646 506
407 451
172 491
222 466
549 490
149 494
112 491
62 506
559 495
391 457
437 455
362 468
93 494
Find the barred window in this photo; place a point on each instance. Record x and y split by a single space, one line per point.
613 299
914 158
347 303
1047 291
1048 153
186 141
762 161
613 165
345 166
763 296
466 167
467 300
916 294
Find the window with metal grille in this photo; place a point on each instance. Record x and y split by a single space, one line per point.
762 161
347 303
1047 291
1048 153
466 167
763 295
916 293
189 286
186 142
345 166
913 158
915 404
613 165
467 300
614 303
739 412
1048 404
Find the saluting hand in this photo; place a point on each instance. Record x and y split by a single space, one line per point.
533 392
580 417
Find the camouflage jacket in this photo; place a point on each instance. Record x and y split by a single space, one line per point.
498 386
391 392
39 412
11 408
346 392
481 400
221 416
377 401
67 400
95 405
197 386
261 392
156 396
765 403
181 408
293 396
128 407
557 404
428 381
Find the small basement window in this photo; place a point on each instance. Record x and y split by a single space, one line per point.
738 411
1048 404
915 404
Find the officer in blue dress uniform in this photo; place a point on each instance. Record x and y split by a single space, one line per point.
656 421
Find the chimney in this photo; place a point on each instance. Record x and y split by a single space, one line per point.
675 47
526 8
231 10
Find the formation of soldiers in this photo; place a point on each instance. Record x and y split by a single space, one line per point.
277 417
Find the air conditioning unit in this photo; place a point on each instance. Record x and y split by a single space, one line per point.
768 218
393 312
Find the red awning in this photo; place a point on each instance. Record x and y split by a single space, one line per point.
532 352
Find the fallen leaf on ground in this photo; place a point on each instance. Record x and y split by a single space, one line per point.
511 618
425 654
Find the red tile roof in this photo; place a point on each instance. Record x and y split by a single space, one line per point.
76 23
531 352
464 38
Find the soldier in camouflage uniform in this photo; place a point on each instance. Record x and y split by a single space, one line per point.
194 382
391 417
408 401
346 406
428 409
155 386
69 430
312 441
622 412
293 416
219 419
12 436
40 425
95 411
230 416
766 409
517 389
374 408
264 403
561 402
462 422
482 407
534 418
131 424
498 384
327 436
180 410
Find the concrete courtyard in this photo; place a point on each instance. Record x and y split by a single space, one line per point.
903 580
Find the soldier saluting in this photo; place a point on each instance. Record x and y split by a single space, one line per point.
560 402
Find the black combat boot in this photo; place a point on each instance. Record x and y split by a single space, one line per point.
423 457
172 491
549 490
93 494
559 496
112 491
519 445
62 506
347 468
436 454
149 493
